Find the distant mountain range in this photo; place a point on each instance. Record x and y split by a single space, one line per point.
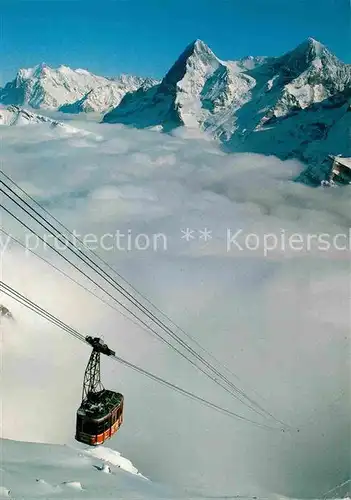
293 106
68 90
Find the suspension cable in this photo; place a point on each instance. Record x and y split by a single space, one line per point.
253 405
12 293
132 313
114 271
76 282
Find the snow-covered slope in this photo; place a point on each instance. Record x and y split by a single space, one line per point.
53 88
310 135
197 85
103 98
226 97
33 471
17 116
256 104
49 88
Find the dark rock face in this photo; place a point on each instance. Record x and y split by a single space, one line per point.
5 313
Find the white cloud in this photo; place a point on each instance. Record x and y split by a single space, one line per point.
281 323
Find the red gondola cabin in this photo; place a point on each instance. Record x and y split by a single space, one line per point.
100 414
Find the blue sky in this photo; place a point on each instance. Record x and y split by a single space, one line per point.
146 36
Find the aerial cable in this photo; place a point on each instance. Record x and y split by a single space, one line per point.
141 307
136 303
133 314
9 291
114 271
130 297
339 486
106 264
112 282
76 282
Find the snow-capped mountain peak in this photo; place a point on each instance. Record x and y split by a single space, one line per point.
316 48
48 88
309 53
236 101
203 51
55 88
26 73
103 98
271 105
176 100
197 58
200 46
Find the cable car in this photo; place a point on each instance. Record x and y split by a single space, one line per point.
100 414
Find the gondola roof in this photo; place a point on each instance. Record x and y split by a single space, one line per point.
99 404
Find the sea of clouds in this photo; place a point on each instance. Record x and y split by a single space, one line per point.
251 264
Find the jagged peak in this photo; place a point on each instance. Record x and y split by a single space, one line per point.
314 45
199 48
313 41
196 51
41 66
62 68
43 69
311 48
35 71
307 54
